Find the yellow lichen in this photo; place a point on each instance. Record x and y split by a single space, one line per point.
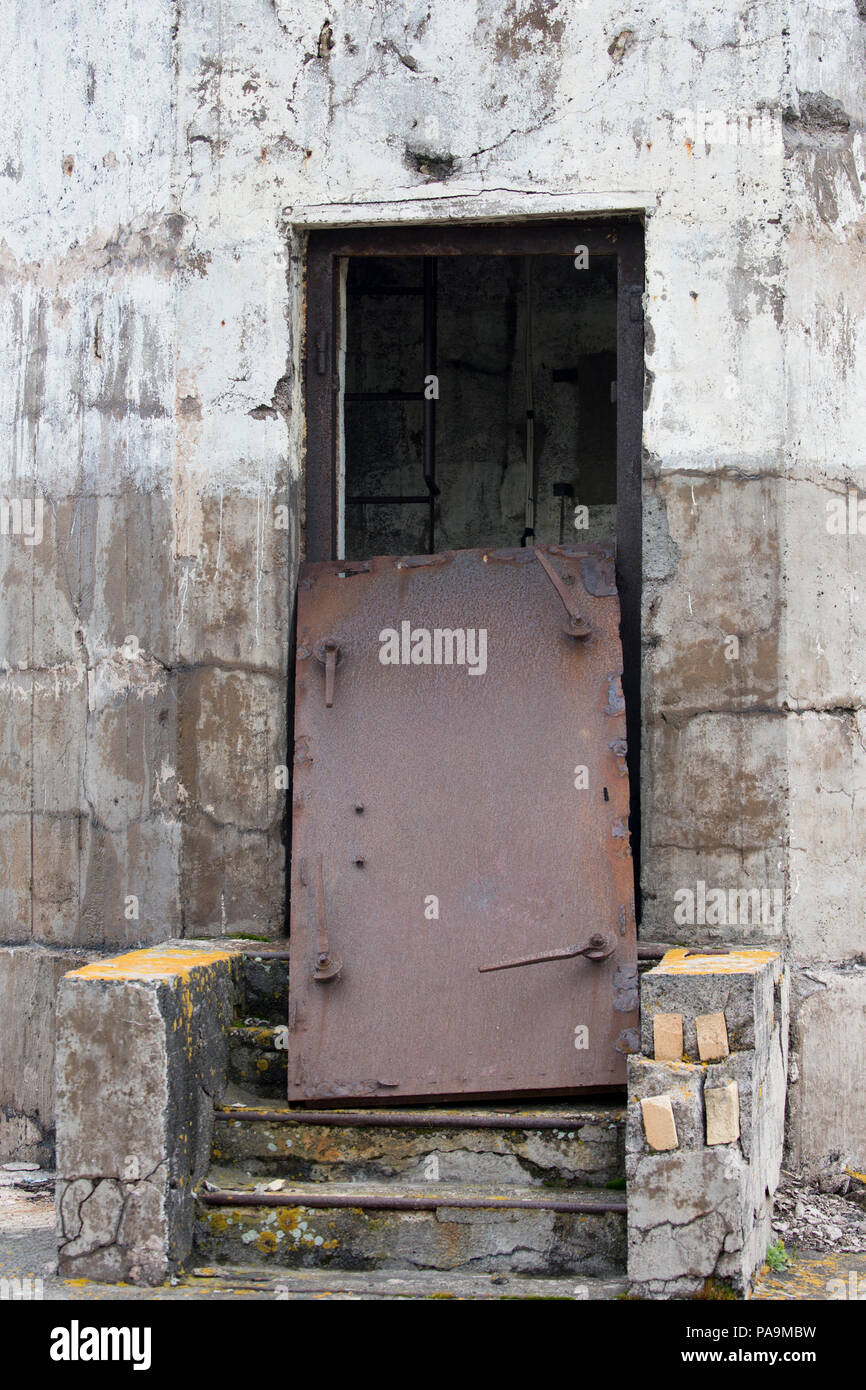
678 962
152 963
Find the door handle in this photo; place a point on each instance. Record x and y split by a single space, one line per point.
327 653
598 947
576 625
328 962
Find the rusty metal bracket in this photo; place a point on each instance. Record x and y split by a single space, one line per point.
598 947
328 962
328 654
576 626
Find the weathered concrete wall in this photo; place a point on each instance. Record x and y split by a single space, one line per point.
157 186
29 978
825 655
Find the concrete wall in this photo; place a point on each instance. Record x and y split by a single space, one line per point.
160 175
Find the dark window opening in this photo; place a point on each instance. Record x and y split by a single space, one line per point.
479 403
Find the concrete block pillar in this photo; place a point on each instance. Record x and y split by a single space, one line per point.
141 1057
700 1207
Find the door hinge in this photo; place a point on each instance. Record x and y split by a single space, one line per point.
577 626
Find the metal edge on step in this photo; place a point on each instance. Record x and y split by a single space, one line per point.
412 1283
398 1119
381 1202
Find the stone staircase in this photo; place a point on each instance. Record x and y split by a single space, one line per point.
475 1201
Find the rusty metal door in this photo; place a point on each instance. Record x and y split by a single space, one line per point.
460 801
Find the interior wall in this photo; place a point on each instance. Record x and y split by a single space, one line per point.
481 409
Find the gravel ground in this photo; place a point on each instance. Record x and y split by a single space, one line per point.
808 1219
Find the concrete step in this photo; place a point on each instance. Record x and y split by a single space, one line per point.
256 1061
400 1284
541 1146
436 1226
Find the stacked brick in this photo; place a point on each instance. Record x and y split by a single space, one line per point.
705 1120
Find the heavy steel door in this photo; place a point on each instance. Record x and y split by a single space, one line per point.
460 800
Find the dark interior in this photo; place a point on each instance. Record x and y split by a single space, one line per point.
522 353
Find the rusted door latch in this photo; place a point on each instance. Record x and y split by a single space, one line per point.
327 653
576 625
328 962
598 947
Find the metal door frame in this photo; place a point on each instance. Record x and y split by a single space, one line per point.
622 237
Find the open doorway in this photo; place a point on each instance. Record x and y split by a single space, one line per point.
473 402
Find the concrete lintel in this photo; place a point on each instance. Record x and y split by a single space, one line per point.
469 204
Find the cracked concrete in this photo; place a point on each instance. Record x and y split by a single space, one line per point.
135 1121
